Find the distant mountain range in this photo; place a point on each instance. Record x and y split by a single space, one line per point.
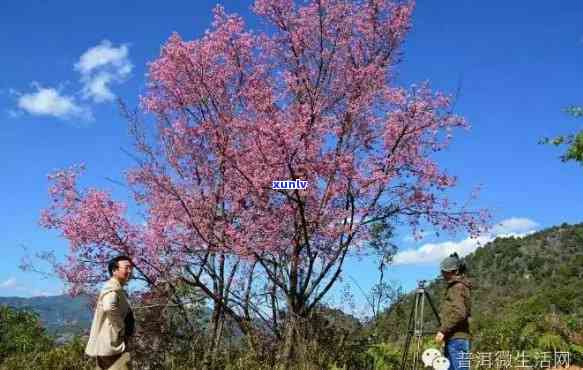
61 315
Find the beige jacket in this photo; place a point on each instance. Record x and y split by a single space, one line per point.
107 330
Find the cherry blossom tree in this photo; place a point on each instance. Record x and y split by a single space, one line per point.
312 98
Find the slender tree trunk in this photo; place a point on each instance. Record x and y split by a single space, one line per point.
289 341
218 337
217 324
293 333
289 345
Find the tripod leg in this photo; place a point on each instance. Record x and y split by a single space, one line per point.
421 327
418 328
405 356
410 329
433 309
415 329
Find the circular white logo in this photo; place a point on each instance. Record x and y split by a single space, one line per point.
429 355
440 363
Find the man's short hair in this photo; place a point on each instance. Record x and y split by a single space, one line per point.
112 266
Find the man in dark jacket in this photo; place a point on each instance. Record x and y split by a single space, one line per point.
455 313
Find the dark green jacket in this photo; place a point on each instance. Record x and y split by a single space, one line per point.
456 309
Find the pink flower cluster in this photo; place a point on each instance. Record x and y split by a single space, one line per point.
314 100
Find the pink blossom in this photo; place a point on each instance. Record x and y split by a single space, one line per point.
236 110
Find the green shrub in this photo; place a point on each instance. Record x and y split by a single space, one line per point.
385 356
67 357
21 332
551 343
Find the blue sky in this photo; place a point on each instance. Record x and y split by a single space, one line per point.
518 64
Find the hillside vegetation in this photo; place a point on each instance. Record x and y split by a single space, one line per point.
526 295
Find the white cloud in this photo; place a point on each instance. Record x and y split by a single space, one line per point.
50 102
435 252
9 284
514 226
101 66
43 293
13 287
102 55
97 88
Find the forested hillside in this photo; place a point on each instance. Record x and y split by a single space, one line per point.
526 295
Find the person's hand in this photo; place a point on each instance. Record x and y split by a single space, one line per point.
439 337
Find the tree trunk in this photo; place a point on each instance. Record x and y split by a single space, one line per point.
217 323
218 336
289 345
295 329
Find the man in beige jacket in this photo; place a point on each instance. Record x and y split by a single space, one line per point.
111 328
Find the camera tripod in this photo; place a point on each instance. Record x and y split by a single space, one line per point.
415 328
